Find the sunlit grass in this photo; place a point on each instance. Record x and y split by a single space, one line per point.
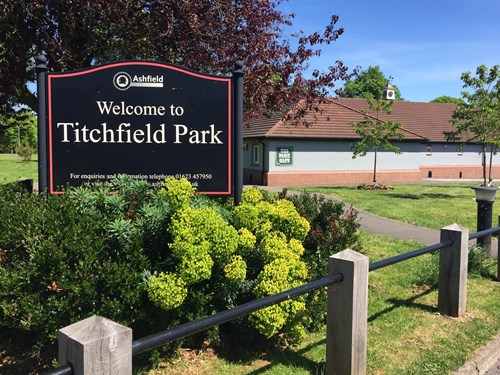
430 206
14 169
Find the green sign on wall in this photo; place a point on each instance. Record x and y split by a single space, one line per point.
284 155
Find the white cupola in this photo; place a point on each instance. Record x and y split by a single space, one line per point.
389 92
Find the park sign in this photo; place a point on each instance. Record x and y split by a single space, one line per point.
145 119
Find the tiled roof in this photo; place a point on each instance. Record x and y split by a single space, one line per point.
420 121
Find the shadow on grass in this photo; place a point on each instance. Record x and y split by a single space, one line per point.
297 359
410 302
421 196
293 358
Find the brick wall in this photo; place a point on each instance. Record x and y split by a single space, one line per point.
291 178
457 171
339 177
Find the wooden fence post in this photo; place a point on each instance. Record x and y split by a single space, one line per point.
346 335
96 345
452 290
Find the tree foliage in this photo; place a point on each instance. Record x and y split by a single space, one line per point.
447 99
18 129
477 118
369 84
376 134
207 36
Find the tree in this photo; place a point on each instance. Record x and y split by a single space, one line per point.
18 130
477 118
207 36
447 99
376 134
368 84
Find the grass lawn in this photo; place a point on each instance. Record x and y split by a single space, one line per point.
406 334
431 206
12 169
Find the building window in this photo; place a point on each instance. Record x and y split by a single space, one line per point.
256 154
428 150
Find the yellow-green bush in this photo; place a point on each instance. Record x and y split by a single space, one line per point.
167 291
236 269
262 217
246 240
269 321
195 263
205 224
201 240
279 230
252 196
262 248
178 192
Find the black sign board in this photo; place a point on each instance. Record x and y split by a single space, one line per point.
145 119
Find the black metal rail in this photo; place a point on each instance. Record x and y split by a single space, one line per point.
484 233
63 370
164 337
411 254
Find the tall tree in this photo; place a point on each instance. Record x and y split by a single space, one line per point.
376 134
477 118
368 84
206 35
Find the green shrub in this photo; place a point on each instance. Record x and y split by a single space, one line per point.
25 152
68 257
333 229
155 259
477 265
221 262
178 192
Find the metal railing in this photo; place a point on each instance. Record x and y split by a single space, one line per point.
188 329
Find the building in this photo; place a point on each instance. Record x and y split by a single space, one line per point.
316 149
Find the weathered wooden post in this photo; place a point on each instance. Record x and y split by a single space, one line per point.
346 337
452 290
96 345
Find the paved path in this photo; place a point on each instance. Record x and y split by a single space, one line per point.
486 360
391 228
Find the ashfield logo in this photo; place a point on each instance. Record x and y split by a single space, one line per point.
123 81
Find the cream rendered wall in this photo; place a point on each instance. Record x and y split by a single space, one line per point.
315 155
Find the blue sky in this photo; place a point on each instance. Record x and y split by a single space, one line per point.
424 45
